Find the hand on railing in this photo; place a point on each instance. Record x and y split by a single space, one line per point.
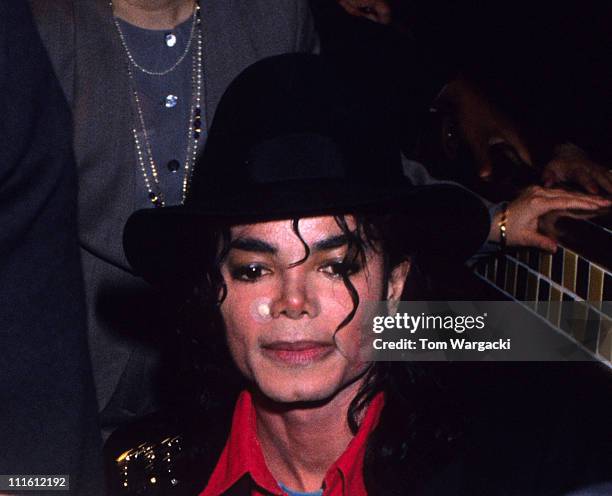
571 164
523 214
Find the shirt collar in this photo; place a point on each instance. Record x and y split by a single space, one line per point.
345 476
242 455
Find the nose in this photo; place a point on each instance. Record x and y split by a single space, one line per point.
485 171
294 298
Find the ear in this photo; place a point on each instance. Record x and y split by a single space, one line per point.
395 285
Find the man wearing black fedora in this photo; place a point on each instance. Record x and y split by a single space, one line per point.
284 238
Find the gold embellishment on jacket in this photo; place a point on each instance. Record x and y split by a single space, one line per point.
149 465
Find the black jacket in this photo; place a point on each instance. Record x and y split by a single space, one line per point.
490 430
48 414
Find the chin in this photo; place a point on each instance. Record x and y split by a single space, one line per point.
287 386
298 394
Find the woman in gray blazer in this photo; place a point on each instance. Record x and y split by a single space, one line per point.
143 79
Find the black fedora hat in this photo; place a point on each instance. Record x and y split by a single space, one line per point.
291 138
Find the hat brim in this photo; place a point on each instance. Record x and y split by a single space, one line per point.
171 246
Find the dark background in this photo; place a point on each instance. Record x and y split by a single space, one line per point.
545 64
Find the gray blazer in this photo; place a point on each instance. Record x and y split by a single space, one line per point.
91 65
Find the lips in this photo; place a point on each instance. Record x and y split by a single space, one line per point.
297 352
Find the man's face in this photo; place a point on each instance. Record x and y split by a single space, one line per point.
281 317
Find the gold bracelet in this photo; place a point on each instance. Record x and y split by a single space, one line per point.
503 228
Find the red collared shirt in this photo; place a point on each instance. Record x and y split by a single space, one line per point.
242 455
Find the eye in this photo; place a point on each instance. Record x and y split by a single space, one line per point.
340 268
249 273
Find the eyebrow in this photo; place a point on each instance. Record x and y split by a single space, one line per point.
253 245
256 245
330 243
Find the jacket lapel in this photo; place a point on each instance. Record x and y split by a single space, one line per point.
55 23
103 140
227 49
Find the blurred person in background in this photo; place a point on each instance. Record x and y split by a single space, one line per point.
541 66
48 414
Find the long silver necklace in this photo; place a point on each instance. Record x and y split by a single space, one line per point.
173 66
194 130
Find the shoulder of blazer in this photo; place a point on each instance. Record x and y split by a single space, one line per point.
290 20
55 22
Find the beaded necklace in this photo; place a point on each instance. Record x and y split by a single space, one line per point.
143 147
